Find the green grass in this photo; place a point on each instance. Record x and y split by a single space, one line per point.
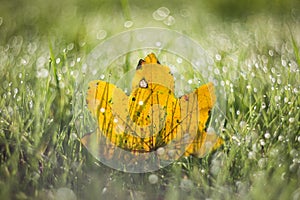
41 57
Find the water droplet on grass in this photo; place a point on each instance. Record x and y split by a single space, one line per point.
291 120
128 24
271 52
102 76
218 57
280 138
30 104
42 73
70 46
72 63
170 20
263 105
243 124
153 178
41 61
179 60
267 135
262 142
61 85
251 155
158 44
217 71
74 73
101 34
161 13
104 190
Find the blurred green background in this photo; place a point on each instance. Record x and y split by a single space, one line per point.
78 20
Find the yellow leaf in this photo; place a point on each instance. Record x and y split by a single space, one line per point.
151 117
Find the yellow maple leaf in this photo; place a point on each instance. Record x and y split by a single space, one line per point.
151 117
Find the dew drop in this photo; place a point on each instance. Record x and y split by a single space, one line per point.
70 46
102 110
283 63
161 13
243 124
102 76
64 69
218 57
267 135
170 20
42 73
160 151
280 138
273 80
41 61
262 142
104 190
179 60
74 73
101 34
141 103
158 44
271 52
16 90
217 71
278 81
251 155
210 130
61 85
128 24
30 104
153 178
291 120
72 63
